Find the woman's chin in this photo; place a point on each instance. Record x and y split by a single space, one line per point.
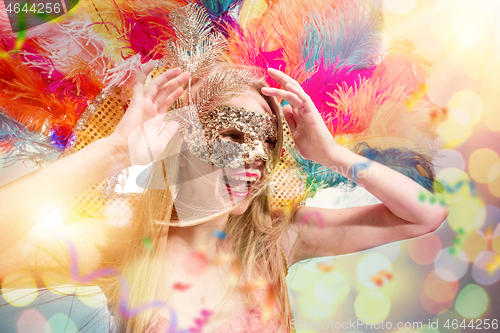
240 209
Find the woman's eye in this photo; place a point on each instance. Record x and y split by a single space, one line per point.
233 136
270 143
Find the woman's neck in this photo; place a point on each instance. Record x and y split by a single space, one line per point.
202 236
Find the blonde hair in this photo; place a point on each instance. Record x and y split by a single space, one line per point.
253 237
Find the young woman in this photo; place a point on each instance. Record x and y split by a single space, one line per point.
255 238
203 248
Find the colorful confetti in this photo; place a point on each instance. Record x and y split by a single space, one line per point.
219 234
381 278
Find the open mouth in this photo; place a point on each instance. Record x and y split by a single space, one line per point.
239 185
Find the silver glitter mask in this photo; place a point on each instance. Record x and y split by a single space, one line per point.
207 143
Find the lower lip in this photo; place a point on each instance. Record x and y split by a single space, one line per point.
239 194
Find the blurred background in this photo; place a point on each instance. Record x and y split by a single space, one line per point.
448 276
454 272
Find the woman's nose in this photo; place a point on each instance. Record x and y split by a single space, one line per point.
256 164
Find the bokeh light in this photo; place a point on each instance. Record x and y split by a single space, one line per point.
91 296
494 187
434 35
491 114
465 107
55 284
449 158
331 287
467 30
451 265
438 289
484 165
472 301
486 269
374 270
19 295
390 251
31 321
495 242
314 307
372 306
434 307
60 323
466 214
301 277
492 218
424 250
474 244
448 316
451 133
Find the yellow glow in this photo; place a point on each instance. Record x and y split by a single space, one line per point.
481 162
434 35
52 221
314 307
91 296
452 133
299 277
16 294
54 283
467 30
494 187
465 107
400 7
492 114
466 215
331 287
372 306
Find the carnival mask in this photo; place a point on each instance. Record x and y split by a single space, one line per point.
207 141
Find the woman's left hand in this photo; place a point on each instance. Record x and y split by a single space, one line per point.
309 132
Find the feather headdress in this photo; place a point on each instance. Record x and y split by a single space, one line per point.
333 49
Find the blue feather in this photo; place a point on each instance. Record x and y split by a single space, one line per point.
317 176
351 35
404 161
33 146
217 8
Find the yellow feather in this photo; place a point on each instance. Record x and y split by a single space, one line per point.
251 10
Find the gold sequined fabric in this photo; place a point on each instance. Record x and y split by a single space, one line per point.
98 121
287 184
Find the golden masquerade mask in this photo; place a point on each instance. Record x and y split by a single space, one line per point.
211 144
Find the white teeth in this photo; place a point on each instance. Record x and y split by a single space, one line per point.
244 178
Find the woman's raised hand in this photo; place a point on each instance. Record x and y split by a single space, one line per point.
309 132
139 137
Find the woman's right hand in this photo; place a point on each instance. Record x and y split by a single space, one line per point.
139 137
